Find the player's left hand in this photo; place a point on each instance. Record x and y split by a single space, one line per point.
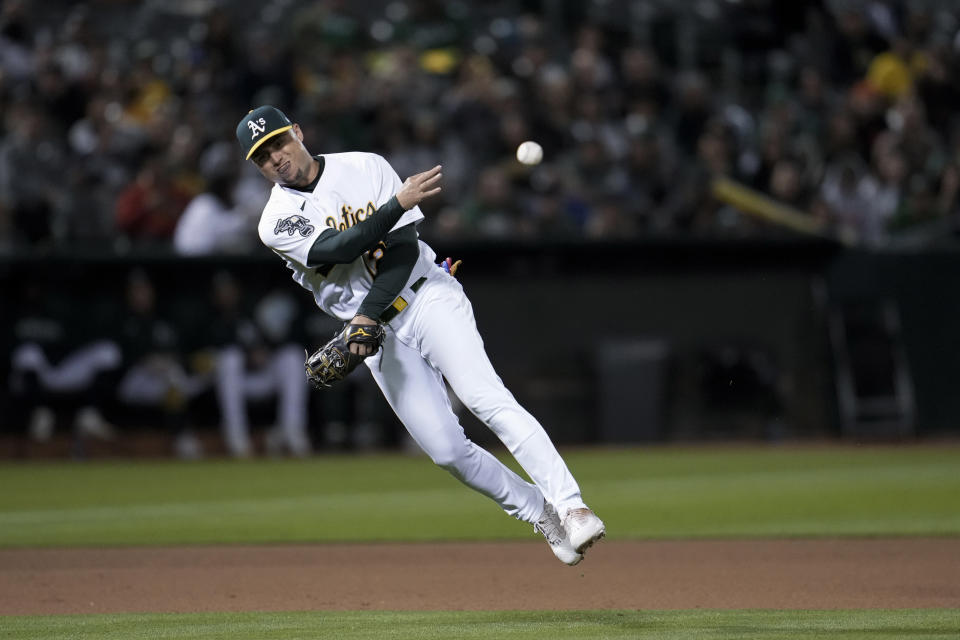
335 360
358 348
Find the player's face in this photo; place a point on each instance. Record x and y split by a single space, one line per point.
283 159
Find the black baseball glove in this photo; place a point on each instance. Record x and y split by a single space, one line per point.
333 361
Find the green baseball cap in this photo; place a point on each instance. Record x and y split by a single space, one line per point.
260 125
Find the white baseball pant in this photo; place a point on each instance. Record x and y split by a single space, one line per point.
436 337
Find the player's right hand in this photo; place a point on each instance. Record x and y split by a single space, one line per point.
419 187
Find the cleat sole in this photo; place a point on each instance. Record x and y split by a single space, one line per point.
589 543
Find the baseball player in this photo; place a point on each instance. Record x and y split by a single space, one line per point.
346 227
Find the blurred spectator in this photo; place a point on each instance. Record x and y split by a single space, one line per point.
848 192
643 86
148 209
61 372
259 356
647 175
552 211
892 72
494 211
553 108
693 110
788 183
854 42
37 209
155 374
938 89
609 220
890 168
16 40
921 147
114 108
222 219
690 206
929 208
814 103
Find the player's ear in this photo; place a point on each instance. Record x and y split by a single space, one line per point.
297 132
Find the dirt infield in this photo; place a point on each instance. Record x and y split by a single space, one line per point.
790 574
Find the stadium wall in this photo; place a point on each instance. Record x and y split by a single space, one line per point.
628 342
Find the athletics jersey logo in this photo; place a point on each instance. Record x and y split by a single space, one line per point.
294 224
350 217
256 128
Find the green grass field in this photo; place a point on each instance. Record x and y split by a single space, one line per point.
510 625
655 493
660 493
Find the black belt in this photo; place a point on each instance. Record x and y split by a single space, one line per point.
400 303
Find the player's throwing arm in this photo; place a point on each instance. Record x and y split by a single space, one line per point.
415 190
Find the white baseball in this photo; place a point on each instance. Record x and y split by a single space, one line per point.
529 152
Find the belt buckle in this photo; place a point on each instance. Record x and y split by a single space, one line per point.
400 303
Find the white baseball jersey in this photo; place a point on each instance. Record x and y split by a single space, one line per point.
351 188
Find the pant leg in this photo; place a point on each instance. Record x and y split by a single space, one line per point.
282 377
82 380
449 339
416 393
231 399
76 372
292 397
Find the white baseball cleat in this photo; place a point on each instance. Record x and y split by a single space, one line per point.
583 528
551 528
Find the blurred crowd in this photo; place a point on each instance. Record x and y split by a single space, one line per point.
118 116
144 356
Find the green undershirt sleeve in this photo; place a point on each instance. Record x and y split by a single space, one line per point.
393 271
342 247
